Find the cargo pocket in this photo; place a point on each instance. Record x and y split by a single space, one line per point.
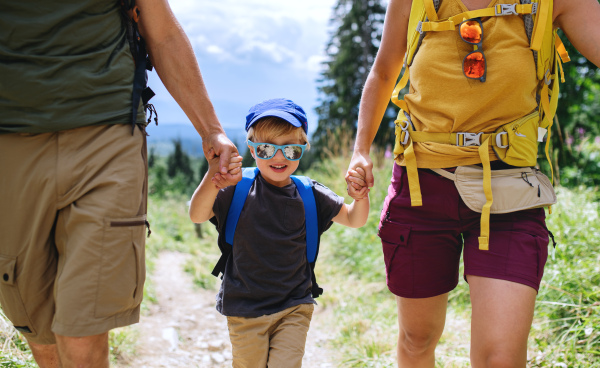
393 235
123 269
12 303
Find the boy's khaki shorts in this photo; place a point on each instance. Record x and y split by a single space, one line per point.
276 340
72 230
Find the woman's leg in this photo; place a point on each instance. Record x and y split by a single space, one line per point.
421 323
500 323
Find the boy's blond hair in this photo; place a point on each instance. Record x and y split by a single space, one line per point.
270 127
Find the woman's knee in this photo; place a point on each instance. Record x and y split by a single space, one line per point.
416 343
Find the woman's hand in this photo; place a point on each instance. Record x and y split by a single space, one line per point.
359 177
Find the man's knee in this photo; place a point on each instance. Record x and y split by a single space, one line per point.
87 351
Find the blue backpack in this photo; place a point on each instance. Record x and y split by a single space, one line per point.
313 233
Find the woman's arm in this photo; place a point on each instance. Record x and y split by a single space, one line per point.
580 21
380 84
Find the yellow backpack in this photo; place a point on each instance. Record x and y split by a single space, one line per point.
549 52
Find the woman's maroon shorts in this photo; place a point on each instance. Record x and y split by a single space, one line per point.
422 245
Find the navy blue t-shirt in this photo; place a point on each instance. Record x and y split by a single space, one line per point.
267 270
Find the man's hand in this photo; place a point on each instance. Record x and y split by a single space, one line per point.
234 170
218 145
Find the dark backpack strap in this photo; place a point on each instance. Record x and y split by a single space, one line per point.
137 46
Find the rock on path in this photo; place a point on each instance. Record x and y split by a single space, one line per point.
184 329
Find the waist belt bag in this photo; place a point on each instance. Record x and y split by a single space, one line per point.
513 189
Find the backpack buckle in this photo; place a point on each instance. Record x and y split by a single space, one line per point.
420 27
506 9
534 8
499 140
404 135
464 139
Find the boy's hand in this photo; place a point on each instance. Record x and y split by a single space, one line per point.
357 186
234 171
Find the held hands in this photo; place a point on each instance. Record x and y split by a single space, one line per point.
356 185
219 145
234 169
359 177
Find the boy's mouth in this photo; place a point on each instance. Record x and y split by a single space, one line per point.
279 168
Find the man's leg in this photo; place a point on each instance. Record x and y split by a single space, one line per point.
46 356
501 320
421 323
83 352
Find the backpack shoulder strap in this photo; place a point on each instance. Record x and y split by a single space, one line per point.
304 186
233 215
237 203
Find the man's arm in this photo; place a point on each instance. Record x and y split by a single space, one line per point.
173 57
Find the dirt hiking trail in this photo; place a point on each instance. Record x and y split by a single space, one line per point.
183 329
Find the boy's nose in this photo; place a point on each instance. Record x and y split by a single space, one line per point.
279 154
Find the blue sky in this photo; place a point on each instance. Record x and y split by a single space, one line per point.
249 51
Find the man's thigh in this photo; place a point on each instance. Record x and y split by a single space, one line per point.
82 197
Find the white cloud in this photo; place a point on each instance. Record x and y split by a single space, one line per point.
251 31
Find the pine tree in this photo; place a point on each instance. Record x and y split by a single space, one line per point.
178 162
351 52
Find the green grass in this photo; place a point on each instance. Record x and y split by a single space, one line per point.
566 327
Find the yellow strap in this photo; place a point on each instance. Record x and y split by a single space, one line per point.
413 175
430 10
540 24
450 23
446 138
401 84
484 237
562 51
562 72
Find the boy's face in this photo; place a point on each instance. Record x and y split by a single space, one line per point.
277 170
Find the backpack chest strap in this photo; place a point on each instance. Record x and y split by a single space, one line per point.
496 11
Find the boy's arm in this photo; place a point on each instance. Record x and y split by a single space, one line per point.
203 199
355 214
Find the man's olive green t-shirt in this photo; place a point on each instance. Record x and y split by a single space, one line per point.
63 64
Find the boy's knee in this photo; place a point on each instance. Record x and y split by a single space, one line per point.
498 359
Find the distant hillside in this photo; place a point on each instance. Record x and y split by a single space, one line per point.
161 138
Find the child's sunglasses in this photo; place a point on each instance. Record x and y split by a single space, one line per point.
474 65
265 151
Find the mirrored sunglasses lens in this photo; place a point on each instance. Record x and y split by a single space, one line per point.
474 65
471 31
292 152
265 151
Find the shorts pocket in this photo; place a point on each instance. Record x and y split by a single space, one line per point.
527 257
393 235
122 268
12 303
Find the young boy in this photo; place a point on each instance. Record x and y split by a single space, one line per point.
266 288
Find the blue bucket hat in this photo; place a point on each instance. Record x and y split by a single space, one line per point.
278 107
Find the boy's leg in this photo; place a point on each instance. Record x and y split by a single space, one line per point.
501 320
249 341
288 337
421 323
